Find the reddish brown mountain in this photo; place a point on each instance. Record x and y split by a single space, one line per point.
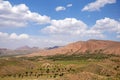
106 46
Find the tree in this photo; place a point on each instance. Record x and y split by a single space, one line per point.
47 71
61 74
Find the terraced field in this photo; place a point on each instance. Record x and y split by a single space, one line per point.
61 67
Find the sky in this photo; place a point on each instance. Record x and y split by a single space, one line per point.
46 23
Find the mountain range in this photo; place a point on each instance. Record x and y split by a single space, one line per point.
94 46
79 47
18 51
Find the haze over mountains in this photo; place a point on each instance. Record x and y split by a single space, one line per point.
96 46
18 51
26 48
104 46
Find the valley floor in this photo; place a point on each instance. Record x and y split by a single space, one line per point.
61 67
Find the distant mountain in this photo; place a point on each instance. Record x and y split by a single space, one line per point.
7 52
18 51
96 46
24 48
27 48
54 47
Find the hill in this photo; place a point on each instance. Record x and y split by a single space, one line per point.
97 46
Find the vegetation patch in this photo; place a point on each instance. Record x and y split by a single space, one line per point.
61 67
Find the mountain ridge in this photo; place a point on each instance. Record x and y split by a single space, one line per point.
92 45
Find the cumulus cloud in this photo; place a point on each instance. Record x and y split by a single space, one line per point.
77 28
13 40
13 36
19 15
70 27
21 36
60 8
107 24
95 6
69 5
66 26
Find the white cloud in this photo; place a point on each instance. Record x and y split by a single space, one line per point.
77 28
19 15
60 8
13 36
94 6
61 32
21 36
69 5
66 26
14 40
107 24
93 34
71 27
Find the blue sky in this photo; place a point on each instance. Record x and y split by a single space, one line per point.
46 23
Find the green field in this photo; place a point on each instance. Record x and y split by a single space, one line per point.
61 67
